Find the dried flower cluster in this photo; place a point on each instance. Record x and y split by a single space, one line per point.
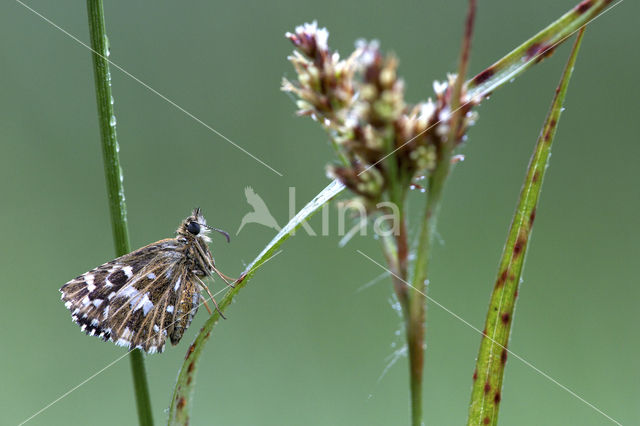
382 141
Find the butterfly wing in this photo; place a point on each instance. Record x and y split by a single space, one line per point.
138 299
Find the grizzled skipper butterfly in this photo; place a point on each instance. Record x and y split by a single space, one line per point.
138 299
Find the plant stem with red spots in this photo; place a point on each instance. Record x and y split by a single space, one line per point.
487 378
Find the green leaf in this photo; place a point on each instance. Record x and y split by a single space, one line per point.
183 391
535 49
492 357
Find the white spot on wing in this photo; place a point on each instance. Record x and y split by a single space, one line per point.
97 302
128 271
151 276
156 328
169 308
177 286
89 279
122 342
145 304
128 291
85 301
67 304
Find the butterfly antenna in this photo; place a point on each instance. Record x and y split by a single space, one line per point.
225 233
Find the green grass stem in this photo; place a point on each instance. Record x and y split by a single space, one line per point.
114 179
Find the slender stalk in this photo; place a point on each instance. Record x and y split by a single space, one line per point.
389 245
492 357
181 401
113 175
416 321
417 303
456 90
402 258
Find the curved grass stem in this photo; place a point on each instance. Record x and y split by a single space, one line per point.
181 400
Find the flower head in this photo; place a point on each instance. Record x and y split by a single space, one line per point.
381 140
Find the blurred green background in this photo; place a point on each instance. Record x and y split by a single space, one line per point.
302 345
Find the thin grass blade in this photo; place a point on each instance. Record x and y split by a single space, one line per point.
487 386
536 48
183 391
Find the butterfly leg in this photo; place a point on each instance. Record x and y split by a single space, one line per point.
206 305
228 280
217 307
212 298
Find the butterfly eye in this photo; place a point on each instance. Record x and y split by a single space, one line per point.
194 228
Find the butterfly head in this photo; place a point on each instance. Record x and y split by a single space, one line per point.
195 227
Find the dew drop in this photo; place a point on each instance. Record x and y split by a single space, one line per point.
112 121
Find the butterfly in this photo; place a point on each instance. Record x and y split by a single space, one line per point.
139 299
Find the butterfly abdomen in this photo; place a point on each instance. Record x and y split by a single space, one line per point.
186 308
